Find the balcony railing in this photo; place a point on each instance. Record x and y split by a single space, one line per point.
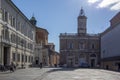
68 34
75 34
5 40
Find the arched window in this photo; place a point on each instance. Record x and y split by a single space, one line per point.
6 34
92 55
70 46
92 46
81 56
81 46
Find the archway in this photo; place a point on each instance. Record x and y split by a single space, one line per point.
93 60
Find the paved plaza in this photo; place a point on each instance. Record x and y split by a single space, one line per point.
60 74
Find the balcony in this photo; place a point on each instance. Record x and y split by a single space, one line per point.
68 34
75 34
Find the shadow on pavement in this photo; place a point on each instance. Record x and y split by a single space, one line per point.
6 72
61 69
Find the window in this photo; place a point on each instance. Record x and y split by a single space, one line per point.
25 58
22 42
6 16
3 34
30 46
70 46
92 55
81 46
22 28
76 60
29 58
14 22
22 58
17 39
81 56
92 46
10 17
103 51
2 14
25 42
17 25
18 57
13 38
70 54
14 58
6 34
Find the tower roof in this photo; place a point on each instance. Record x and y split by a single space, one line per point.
33 20
82 13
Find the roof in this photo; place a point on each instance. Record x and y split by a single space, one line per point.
42 29
18 10
113 22
33 18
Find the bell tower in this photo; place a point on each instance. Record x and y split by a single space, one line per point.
33 21
82 20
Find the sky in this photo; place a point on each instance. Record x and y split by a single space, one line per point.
60 16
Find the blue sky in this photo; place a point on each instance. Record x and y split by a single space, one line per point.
60 16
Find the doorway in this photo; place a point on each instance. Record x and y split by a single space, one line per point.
70 62
118 66
37 62
92 62
6 55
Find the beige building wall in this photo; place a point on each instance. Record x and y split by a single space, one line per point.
83 49
80 48
110 45
17 36
41 52
110 65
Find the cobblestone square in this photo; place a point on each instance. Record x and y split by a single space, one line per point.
60 74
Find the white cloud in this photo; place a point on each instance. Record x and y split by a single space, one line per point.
107 3
116 7
111 4
92 1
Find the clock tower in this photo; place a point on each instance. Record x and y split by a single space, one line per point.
82 19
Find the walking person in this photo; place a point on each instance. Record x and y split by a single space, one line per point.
40 65
12 67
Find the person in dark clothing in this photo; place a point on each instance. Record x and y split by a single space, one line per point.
40 65
2 68
12 67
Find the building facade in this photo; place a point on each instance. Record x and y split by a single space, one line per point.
44 52
53 55
110 44
41 53
80 48
17 36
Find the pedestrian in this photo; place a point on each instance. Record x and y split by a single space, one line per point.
40 65
12 67
2 68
